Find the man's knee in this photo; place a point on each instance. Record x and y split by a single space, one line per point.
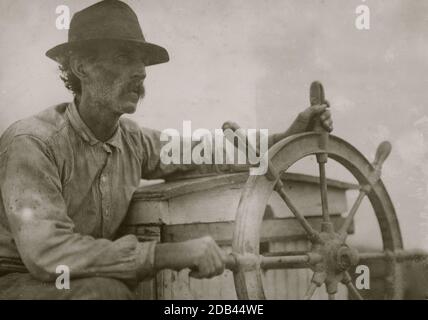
100 288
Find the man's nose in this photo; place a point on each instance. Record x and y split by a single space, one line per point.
139 71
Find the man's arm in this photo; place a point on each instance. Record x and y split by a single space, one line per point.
43 232
304 122
153 167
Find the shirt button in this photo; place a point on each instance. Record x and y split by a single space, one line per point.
106 148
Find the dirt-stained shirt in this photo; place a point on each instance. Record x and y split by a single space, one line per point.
64 195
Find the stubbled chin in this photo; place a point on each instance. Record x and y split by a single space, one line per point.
129 107
128 103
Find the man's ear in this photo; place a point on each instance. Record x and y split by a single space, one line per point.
78 67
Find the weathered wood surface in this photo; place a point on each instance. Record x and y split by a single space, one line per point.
214 199
163 191
191 208
280 229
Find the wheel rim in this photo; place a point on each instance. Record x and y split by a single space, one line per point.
258 189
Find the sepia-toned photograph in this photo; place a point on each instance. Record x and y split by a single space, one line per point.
213 150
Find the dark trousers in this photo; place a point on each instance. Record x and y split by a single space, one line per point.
24 286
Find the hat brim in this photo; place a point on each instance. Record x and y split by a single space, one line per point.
153 54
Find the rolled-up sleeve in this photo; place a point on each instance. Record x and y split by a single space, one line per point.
44 233
153 167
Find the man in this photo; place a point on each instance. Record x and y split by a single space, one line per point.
67 174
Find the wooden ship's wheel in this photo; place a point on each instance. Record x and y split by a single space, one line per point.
269 251
329 257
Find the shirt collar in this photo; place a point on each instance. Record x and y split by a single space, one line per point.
83 130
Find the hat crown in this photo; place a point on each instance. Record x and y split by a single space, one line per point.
108 19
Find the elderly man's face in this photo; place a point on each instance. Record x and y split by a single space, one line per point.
115 78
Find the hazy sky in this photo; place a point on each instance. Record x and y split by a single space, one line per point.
253 62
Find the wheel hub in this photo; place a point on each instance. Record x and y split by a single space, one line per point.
346 257
337 258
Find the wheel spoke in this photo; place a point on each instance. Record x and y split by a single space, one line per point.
398 255
310 292
289 262
274 262
354 292
347 281
313 235
348 221
318 278
323 189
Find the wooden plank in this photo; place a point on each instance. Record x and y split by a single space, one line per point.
286 284
204 206
165 287
200 183
159 281
303 274
284 229
147 212
292 287
270 283
217 204
307 199
174 189
309 179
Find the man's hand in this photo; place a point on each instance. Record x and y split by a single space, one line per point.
203 256
305 121
207 259
307 118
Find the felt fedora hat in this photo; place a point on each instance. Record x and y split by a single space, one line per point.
108 20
